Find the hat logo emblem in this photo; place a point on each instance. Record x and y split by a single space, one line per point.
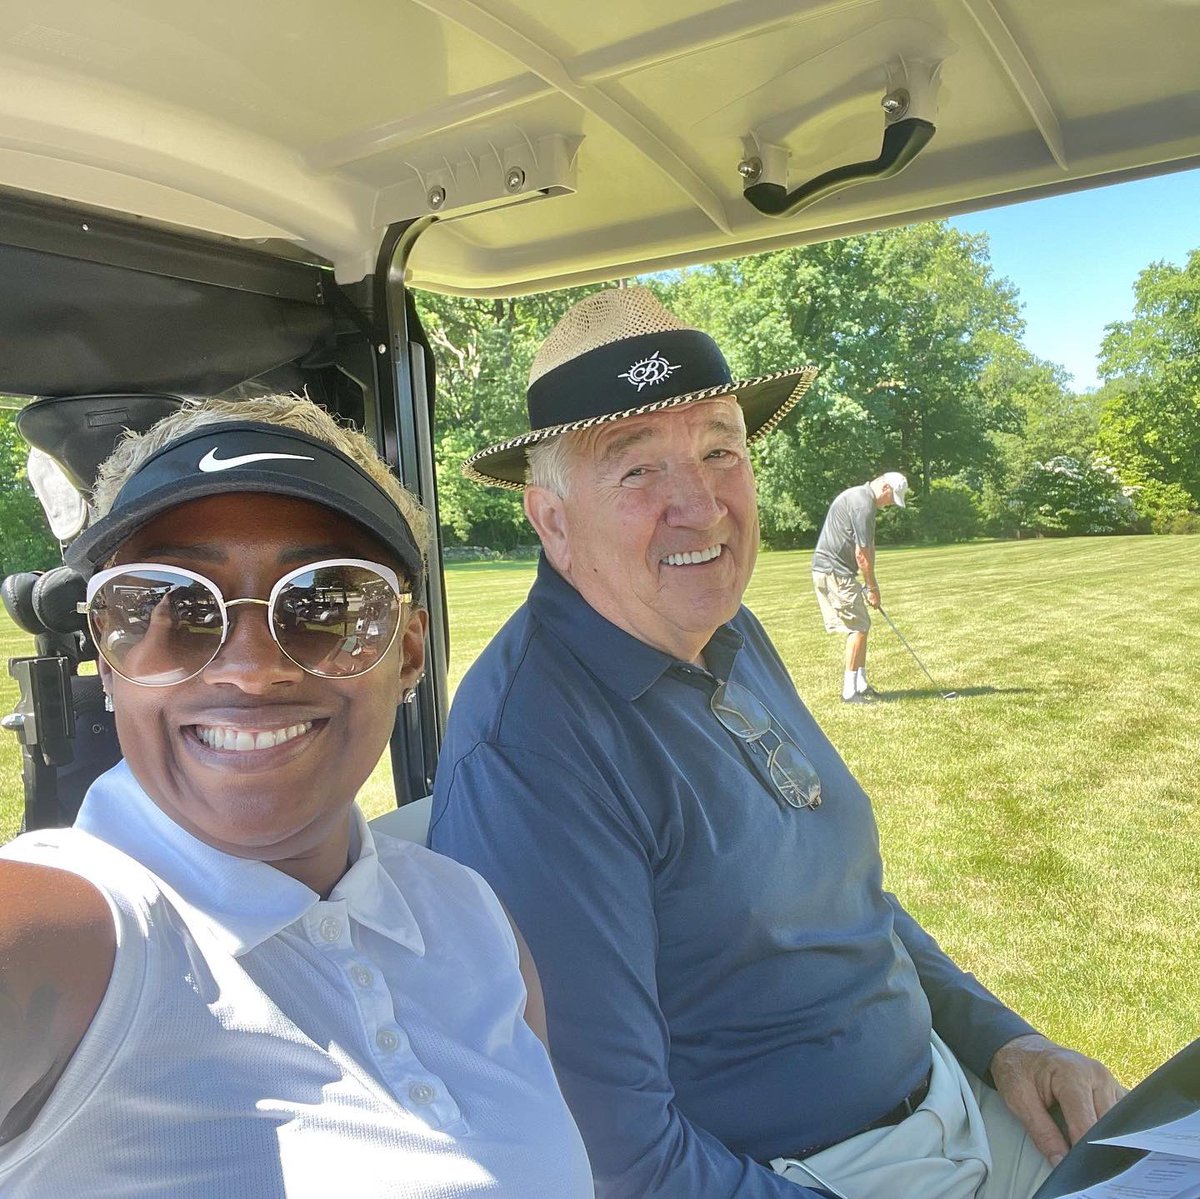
648 371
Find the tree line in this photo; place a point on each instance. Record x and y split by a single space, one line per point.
26 542
922 370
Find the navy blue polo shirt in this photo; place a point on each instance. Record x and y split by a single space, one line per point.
726 979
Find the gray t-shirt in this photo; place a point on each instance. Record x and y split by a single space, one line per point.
850 522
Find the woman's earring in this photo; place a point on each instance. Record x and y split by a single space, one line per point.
108 703
410 694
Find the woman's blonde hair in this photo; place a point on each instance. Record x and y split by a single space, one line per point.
290 411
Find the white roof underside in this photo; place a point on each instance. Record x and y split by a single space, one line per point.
319 123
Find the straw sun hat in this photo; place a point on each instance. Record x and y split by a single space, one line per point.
620 353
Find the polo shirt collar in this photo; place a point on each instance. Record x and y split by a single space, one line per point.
241 902
620 661
372 896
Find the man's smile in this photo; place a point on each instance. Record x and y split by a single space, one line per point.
693 557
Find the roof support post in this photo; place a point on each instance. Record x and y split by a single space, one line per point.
405 432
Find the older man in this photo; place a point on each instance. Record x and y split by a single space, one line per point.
736 1007
846 546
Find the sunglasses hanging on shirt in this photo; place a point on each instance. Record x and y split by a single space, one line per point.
748 718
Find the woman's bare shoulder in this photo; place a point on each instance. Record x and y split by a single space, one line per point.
57 947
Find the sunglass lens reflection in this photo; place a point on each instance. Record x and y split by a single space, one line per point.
337 620
747 717
156 626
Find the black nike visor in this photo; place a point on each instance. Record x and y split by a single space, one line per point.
254 457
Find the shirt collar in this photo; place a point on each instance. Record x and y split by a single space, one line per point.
616 658
241 902
372 896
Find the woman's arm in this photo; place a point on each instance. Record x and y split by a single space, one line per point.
57 946
535 1005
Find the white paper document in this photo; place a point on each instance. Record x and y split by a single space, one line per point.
1181 1138
1171 1170
1154 1177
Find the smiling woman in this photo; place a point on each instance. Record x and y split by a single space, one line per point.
221 941
255 749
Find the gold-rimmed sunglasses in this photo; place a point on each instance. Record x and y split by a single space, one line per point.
158 625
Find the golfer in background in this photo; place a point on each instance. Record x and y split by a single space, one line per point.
845 547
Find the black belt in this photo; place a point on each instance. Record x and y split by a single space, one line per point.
901 1111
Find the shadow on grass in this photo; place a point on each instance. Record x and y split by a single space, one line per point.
888 697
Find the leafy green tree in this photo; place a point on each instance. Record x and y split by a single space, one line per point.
948 512
903 323
484 349
1166 507
1150 427
1045 418
26 542
922 371
998 514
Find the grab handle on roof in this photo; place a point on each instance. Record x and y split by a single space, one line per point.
910 110
902 142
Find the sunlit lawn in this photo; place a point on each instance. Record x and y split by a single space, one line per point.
1045 824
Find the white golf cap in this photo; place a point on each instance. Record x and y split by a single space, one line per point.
899 485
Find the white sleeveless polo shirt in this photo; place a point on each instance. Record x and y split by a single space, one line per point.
258 1041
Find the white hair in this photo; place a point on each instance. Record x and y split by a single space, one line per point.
550 462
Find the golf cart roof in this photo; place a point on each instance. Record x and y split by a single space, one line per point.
568 142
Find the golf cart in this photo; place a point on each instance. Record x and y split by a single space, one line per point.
241 197
199 200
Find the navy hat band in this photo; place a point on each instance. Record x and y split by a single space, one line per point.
626 374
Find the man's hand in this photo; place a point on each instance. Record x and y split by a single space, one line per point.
1033 1073
873 596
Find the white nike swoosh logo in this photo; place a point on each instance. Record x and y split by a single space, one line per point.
210 461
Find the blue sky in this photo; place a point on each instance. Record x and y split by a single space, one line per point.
1074 258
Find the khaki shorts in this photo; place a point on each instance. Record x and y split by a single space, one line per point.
843 603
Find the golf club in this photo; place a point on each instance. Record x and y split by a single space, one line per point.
944 694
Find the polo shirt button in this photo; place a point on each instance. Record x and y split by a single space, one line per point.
330 929
422 1092
387 1040
362 976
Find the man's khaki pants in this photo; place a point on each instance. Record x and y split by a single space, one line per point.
961 1143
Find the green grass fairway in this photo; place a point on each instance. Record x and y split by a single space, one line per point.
1045 824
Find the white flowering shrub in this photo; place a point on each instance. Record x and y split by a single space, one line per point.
1068 496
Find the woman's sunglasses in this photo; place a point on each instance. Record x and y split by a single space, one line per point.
159 625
